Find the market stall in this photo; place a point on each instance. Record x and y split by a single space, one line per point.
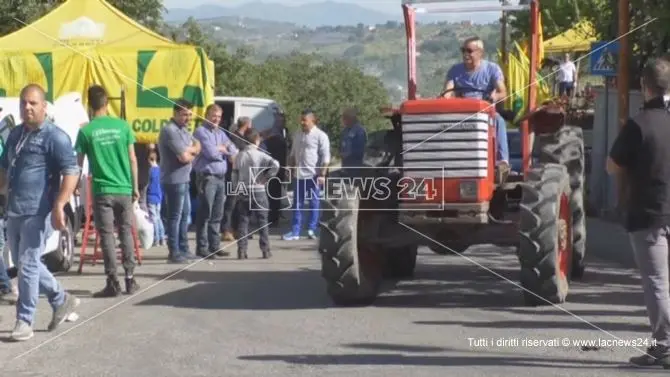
85 42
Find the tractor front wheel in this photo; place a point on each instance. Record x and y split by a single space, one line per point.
352 269
545 247
400 262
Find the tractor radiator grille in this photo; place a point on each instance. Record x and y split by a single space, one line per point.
445 145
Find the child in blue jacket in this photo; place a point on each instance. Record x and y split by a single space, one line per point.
155 198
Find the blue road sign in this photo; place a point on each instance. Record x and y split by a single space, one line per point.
604 58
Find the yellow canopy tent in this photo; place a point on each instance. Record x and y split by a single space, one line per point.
577 39
86 42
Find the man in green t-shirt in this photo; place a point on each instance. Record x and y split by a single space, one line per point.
108 143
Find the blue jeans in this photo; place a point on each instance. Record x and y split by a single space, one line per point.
5 281
155 215
178 203
305 188
27 237
211 202
501 139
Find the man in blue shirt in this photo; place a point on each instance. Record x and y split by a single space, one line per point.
37 155
177 149
482 79
210 167
354 139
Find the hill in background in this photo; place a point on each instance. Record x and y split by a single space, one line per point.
327 13
378 50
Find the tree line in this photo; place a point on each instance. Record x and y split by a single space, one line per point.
650 20
296 82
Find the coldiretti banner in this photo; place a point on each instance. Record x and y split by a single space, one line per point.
153 79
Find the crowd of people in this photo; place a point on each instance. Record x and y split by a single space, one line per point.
233 175
238 176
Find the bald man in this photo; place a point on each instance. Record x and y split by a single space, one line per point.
310 157
37 155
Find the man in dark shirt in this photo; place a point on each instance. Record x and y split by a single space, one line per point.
640 157
276 143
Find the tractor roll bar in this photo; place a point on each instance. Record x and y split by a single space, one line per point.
462 9
410 12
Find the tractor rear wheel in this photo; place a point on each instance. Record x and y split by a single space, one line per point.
352 269
545 226
400 262
566 147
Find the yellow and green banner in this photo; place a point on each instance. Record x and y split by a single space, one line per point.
86 42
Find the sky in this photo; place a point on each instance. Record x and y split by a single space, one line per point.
387 6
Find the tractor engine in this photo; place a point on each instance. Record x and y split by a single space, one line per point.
448 161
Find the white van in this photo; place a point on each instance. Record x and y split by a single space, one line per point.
261 111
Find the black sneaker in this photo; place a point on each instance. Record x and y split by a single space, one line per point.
222 253
267 255
205 255
177 259
190 256
112 289
131 286
655 356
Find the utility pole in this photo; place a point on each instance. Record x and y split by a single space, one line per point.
623 69
503 40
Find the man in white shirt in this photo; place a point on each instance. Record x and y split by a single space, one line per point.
567 77
309 159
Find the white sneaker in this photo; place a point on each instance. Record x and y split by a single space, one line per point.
22 331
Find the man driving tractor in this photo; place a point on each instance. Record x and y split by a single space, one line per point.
482 79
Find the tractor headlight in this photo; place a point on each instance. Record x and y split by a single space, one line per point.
468 190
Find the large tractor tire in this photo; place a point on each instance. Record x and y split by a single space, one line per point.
545 228
566 147
351 269
400 262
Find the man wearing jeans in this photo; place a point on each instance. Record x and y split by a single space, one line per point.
40 170
310 156
108 143
177 149
641 158
210 167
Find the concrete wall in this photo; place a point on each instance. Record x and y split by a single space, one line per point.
602 193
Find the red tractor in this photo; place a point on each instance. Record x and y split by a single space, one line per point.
445 193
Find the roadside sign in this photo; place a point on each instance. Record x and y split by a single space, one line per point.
604 58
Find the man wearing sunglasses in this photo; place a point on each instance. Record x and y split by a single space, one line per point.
482 79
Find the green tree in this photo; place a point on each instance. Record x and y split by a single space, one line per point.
557 16
649 41
297 81
15 14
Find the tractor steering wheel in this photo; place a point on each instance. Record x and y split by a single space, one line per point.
485 97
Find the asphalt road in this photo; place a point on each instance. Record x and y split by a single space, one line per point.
271 318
